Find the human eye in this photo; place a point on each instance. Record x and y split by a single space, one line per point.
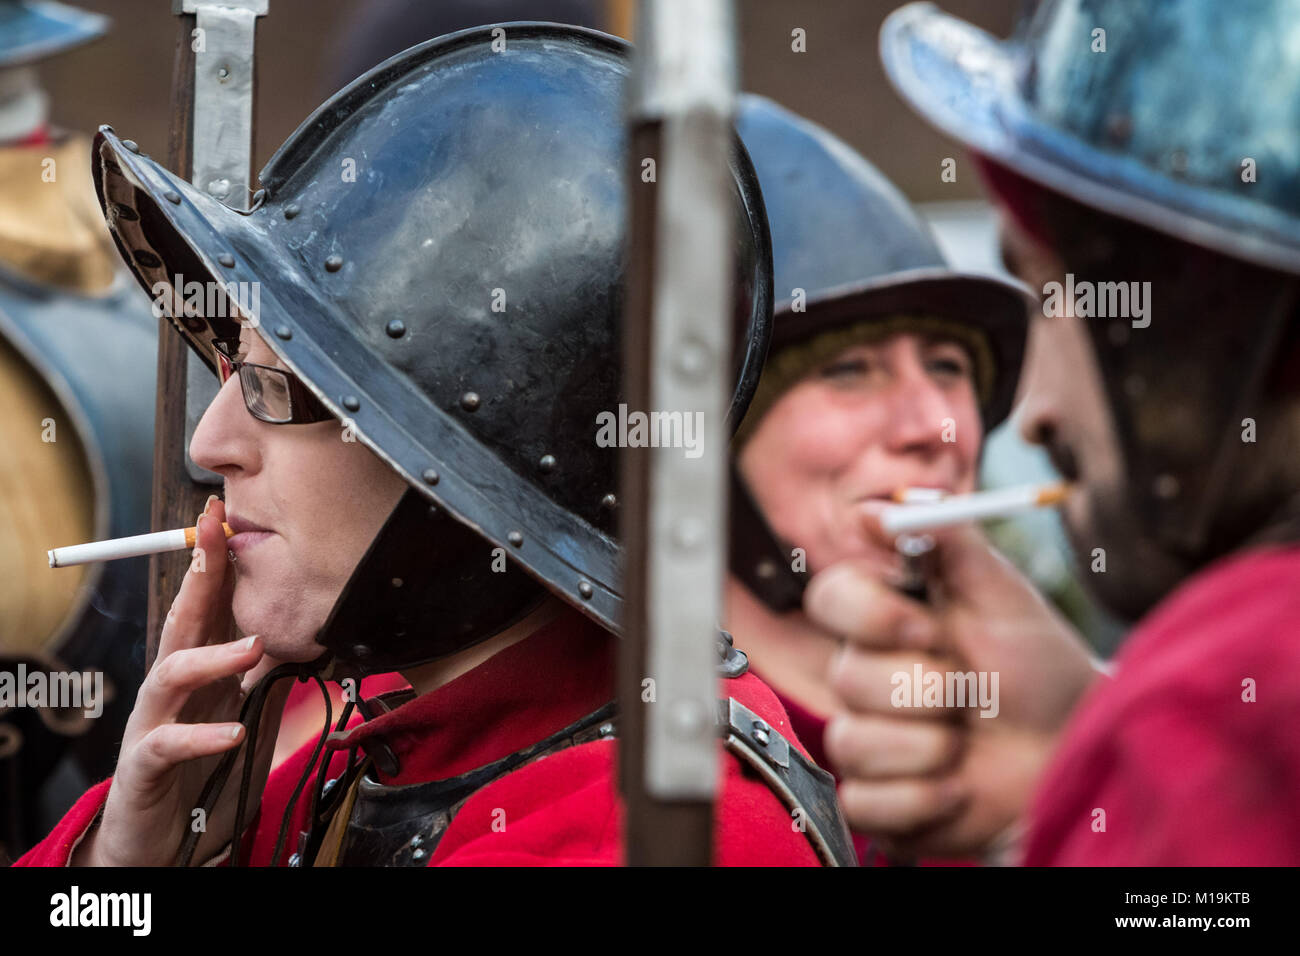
948 361
846 368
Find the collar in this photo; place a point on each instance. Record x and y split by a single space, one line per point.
523 694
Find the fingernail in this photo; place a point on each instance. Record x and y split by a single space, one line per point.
248 644
207 506
234 732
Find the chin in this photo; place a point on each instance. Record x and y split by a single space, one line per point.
288 631
1139 571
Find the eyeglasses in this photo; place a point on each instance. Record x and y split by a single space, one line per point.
271 394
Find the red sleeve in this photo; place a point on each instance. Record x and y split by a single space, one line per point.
1190 756
1182 786
55 849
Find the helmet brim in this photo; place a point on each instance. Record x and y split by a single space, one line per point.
36 30
964 82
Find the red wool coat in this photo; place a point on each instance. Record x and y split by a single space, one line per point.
1171 755
561 810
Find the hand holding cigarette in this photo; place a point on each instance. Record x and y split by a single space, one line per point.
185 718
934 780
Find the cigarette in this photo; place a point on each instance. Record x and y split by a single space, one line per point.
131 547
979 506
917 496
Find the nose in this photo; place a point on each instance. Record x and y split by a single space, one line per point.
225 440
1039 412
919 409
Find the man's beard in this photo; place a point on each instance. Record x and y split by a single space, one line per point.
1139 570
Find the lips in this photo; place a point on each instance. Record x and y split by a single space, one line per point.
247 534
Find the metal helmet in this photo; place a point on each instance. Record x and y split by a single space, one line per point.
1153 142
31 30
853 260
440 252
849 251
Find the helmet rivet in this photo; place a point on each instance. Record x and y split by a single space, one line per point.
226 259
609 502
397 582
131 145
351 402
516 539
765 569
1166 486
469 401
434 513
333 263
546 464
395 328
1119 127
283 332
430 476
173 197
584 589
360 651
292 210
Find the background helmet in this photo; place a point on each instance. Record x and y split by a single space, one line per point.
1155 142
849 252
31 30
440 250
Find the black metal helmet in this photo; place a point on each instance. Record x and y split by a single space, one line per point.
440 251
849 252
1155 143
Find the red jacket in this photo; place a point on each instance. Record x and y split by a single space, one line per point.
561 810
1172 755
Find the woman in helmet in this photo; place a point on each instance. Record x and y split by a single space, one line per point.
887 370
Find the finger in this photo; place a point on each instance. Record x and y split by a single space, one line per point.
890 683
165 747
847 600
863 747
196 613
899 807
174 678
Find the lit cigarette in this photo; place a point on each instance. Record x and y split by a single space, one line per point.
131 547
979 506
